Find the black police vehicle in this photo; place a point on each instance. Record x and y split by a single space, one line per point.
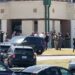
21 56
38 43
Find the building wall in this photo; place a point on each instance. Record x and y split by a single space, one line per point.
41 27
35 9
27 27
29 11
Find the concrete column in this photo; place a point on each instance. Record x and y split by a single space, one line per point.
4 25
4 28
72 31
53 27
27 27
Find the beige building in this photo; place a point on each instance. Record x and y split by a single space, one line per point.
29 16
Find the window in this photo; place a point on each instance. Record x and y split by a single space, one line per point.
35 26
23 51
53 71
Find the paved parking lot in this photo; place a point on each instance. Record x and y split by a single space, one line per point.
63 51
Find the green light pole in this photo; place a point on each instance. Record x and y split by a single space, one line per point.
47 4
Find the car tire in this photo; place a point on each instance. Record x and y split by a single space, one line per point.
39 52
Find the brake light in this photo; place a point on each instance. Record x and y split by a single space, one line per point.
13 56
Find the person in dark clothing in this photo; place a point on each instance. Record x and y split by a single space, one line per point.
67 40
59 41
1 36
73 44
52 39
46 40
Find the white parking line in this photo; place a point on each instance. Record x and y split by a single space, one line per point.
54 57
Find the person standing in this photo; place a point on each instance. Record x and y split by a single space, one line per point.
67 40
73 44
59 41
52 38
55 37
46 40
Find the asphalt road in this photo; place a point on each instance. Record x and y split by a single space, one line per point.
39 58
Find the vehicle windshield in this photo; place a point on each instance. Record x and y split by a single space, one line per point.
33 40
16 39
23 51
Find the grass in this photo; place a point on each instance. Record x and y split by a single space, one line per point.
62 62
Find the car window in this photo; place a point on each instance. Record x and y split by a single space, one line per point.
10 50
73 71
3 48
34 40
2 68
52 71
49 71
65 72
23 51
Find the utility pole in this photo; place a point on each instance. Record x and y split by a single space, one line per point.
47 4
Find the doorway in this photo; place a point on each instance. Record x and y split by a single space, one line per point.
35 26
14 25
66 28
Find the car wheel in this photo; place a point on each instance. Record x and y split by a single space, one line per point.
39 52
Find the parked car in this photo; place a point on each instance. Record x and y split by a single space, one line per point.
3 51
13 41
21 56
4 70
45 70
4 47
72 66
38 43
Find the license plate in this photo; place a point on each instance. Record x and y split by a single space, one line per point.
24 57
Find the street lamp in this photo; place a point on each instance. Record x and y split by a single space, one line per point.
47 4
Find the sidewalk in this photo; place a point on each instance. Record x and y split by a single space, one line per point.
63 51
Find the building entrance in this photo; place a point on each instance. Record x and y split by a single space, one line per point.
65 27
14 25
